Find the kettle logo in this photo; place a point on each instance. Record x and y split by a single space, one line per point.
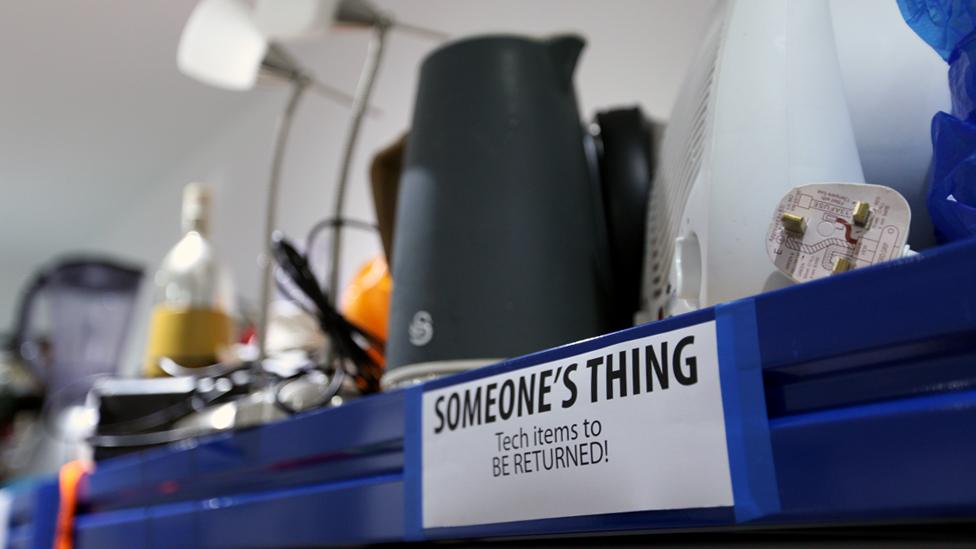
421 328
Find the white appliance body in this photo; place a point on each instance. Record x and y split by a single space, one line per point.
762 110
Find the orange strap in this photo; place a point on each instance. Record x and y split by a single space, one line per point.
69 478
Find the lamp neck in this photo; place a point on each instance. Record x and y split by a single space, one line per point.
361 12
363 91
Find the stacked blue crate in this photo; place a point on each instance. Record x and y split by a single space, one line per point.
31 522
870 402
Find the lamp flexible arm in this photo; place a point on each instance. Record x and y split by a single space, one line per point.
418 30
299 84
360 106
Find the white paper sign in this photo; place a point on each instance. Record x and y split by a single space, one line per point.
635 426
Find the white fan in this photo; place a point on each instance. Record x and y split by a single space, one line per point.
763 109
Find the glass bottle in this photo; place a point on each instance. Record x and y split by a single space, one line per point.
190 324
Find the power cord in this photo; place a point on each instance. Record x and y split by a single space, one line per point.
335 385
350 342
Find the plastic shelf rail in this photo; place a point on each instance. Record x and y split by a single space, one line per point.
869 389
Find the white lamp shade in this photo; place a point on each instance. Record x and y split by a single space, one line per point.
292 19
221 45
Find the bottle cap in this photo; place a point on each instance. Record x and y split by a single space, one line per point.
196 208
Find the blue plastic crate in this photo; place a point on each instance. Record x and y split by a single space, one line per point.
870 402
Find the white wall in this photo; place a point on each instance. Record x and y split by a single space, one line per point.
637 53
99 132
91 108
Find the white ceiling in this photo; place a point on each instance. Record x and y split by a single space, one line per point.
91 107
98 129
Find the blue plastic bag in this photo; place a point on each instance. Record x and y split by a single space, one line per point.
952 197
941 23
962 79
949 26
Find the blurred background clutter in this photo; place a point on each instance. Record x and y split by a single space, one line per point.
100 133
148 293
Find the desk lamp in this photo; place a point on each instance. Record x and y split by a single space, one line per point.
230 43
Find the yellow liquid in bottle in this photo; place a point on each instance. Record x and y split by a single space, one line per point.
191 337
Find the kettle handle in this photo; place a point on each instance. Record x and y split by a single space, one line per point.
565 51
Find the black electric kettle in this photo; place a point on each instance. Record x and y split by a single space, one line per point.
502 242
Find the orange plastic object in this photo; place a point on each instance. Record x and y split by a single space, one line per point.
366 301
69 478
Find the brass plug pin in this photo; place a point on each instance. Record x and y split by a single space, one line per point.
861 213
794 223
841 265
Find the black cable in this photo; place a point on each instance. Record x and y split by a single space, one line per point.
215 370
331 390
300 303
169 414
340 331
332 224
316 303
193 402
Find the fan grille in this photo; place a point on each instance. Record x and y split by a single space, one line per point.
681 156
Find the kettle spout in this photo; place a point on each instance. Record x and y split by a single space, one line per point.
565 50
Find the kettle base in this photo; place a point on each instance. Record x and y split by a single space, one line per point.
413 374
